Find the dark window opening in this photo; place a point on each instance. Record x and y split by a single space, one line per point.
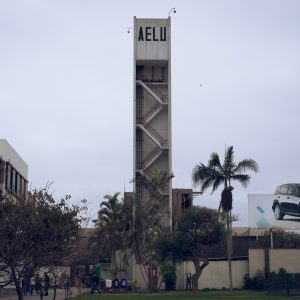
186 201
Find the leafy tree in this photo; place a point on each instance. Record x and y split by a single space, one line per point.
35 234
197 230
215 174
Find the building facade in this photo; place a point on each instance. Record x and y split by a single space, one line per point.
13 172
152 110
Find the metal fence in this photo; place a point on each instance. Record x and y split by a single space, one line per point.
284 283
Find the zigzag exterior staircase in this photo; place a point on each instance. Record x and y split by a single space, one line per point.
162 143
162 99
154 155
152 113
155 136
147 205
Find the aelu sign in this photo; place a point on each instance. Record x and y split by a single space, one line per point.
149 34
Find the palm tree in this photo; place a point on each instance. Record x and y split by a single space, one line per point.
147 220
215 174
109 226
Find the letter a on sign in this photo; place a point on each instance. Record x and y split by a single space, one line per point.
141 35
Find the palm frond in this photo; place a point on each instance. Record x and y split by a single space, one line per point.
105 204
206 177
229 164
214 161
201 172
246 165
217 182
208 182
244 179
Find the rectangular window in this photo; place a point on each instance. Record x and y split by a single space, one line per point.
7 176
139 72
12 179
16 182
21 190
186 201
19 185
25 189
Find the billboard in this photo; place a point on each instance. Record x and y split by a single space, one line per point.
270 211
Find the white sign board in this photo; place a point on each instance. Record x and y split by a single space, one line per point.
269 211
152 39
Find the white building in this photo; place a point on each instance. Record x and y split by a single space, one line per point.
13 172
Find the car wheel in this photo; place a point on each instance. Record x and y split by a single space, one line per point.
278 213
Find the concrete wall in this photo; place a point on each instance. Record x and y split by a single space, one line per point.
215 275
256 261
288 259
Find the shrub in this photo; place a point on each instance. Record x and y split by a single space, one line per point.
281 270
258 282
168 271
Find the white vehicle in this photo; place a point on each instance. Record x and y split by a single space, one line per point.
287 201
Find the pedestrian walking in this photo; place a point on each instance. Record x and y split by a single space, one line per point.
33 285
95 284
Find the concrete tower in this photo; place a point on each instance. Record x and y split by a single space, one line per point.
152 147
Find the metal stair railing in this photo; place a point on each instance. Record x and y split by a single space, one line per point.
151 157
155 136
162 99
150 114
163 142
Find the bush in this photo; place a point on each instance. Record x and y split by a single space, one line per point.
168 271
281 270
258 282
247 282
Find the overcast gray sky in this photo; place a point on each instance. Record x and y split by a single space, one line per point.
66 91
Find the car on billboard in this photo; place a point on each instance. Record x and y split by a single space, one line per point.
287 200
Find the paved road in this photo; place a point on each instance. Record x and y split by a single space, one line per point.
60 295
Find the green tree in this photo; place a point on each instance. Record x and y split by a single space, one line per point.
35 234
197 230
215 174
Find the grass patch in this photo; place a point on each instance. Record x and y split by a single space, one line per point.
203 295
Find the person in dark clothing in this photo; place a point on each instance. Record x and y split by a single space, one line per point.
95 285
23 285
33 285
47 283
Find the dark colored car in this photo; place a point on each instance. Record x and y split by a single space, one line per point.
287 201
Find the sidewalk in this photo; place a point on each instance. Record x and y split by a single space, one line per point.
60 295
